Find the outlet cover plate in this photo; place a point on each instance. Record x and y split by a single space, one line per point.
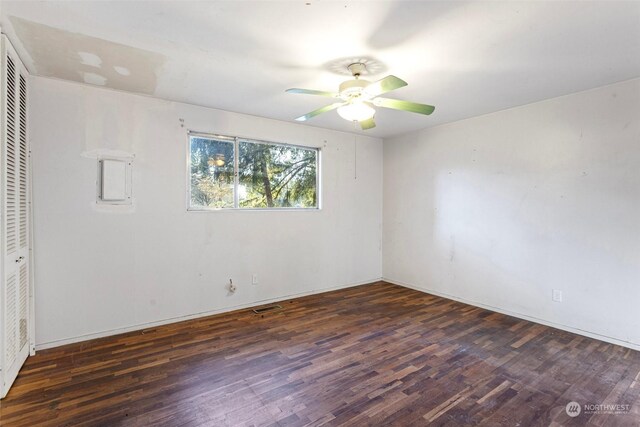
557 295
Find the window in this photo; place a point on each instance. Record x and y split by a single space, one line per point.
228 172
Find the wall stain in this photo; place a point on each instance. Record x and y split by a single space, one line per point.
78 57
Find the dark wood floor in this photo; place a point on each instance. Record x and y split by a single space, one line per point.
372 355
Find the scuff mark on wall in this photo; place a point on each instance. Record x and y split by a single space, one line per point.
78 57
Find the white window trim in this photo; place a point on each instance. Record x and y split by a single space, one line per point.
237 208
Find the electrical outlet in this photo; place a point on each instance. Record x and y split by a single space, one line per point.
557 295
254 279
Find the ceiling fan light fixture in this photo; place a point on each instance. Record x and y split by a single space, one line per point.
358 98
356 112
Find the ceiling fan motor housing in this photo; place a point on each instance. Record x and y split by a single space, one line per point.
352 88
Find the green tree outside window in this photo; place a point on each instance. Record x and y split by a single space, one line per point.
269 175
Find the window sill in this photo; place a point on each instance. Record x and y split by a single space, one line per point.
254 210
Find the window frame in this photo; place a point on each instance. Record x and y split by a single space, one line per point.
236 180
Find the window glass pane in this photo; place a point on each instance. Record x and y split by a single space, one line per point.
212 179
276 176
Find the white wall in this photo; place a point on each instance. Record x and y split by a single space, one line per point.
102 269
498 210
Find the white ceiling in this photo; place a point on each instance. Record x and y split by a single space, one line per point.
466 58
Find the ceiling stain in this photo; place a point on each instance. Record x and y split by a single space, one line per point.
78 57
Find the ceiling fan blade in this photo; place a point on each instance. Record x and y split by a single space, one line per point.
397 104
319 111
312 92
384 85
367 124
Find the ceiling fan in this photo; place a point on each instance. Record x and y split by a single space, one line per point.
358 97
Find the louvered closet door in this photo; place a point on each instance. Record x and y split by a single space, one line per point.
15 304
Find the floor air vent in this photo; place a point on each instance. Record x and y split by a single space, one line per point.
267 309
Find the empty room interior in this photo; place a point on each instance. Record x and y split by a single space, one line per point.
319 212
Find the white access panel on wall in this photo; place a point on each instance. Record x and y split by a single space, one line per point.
15 295
114 181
